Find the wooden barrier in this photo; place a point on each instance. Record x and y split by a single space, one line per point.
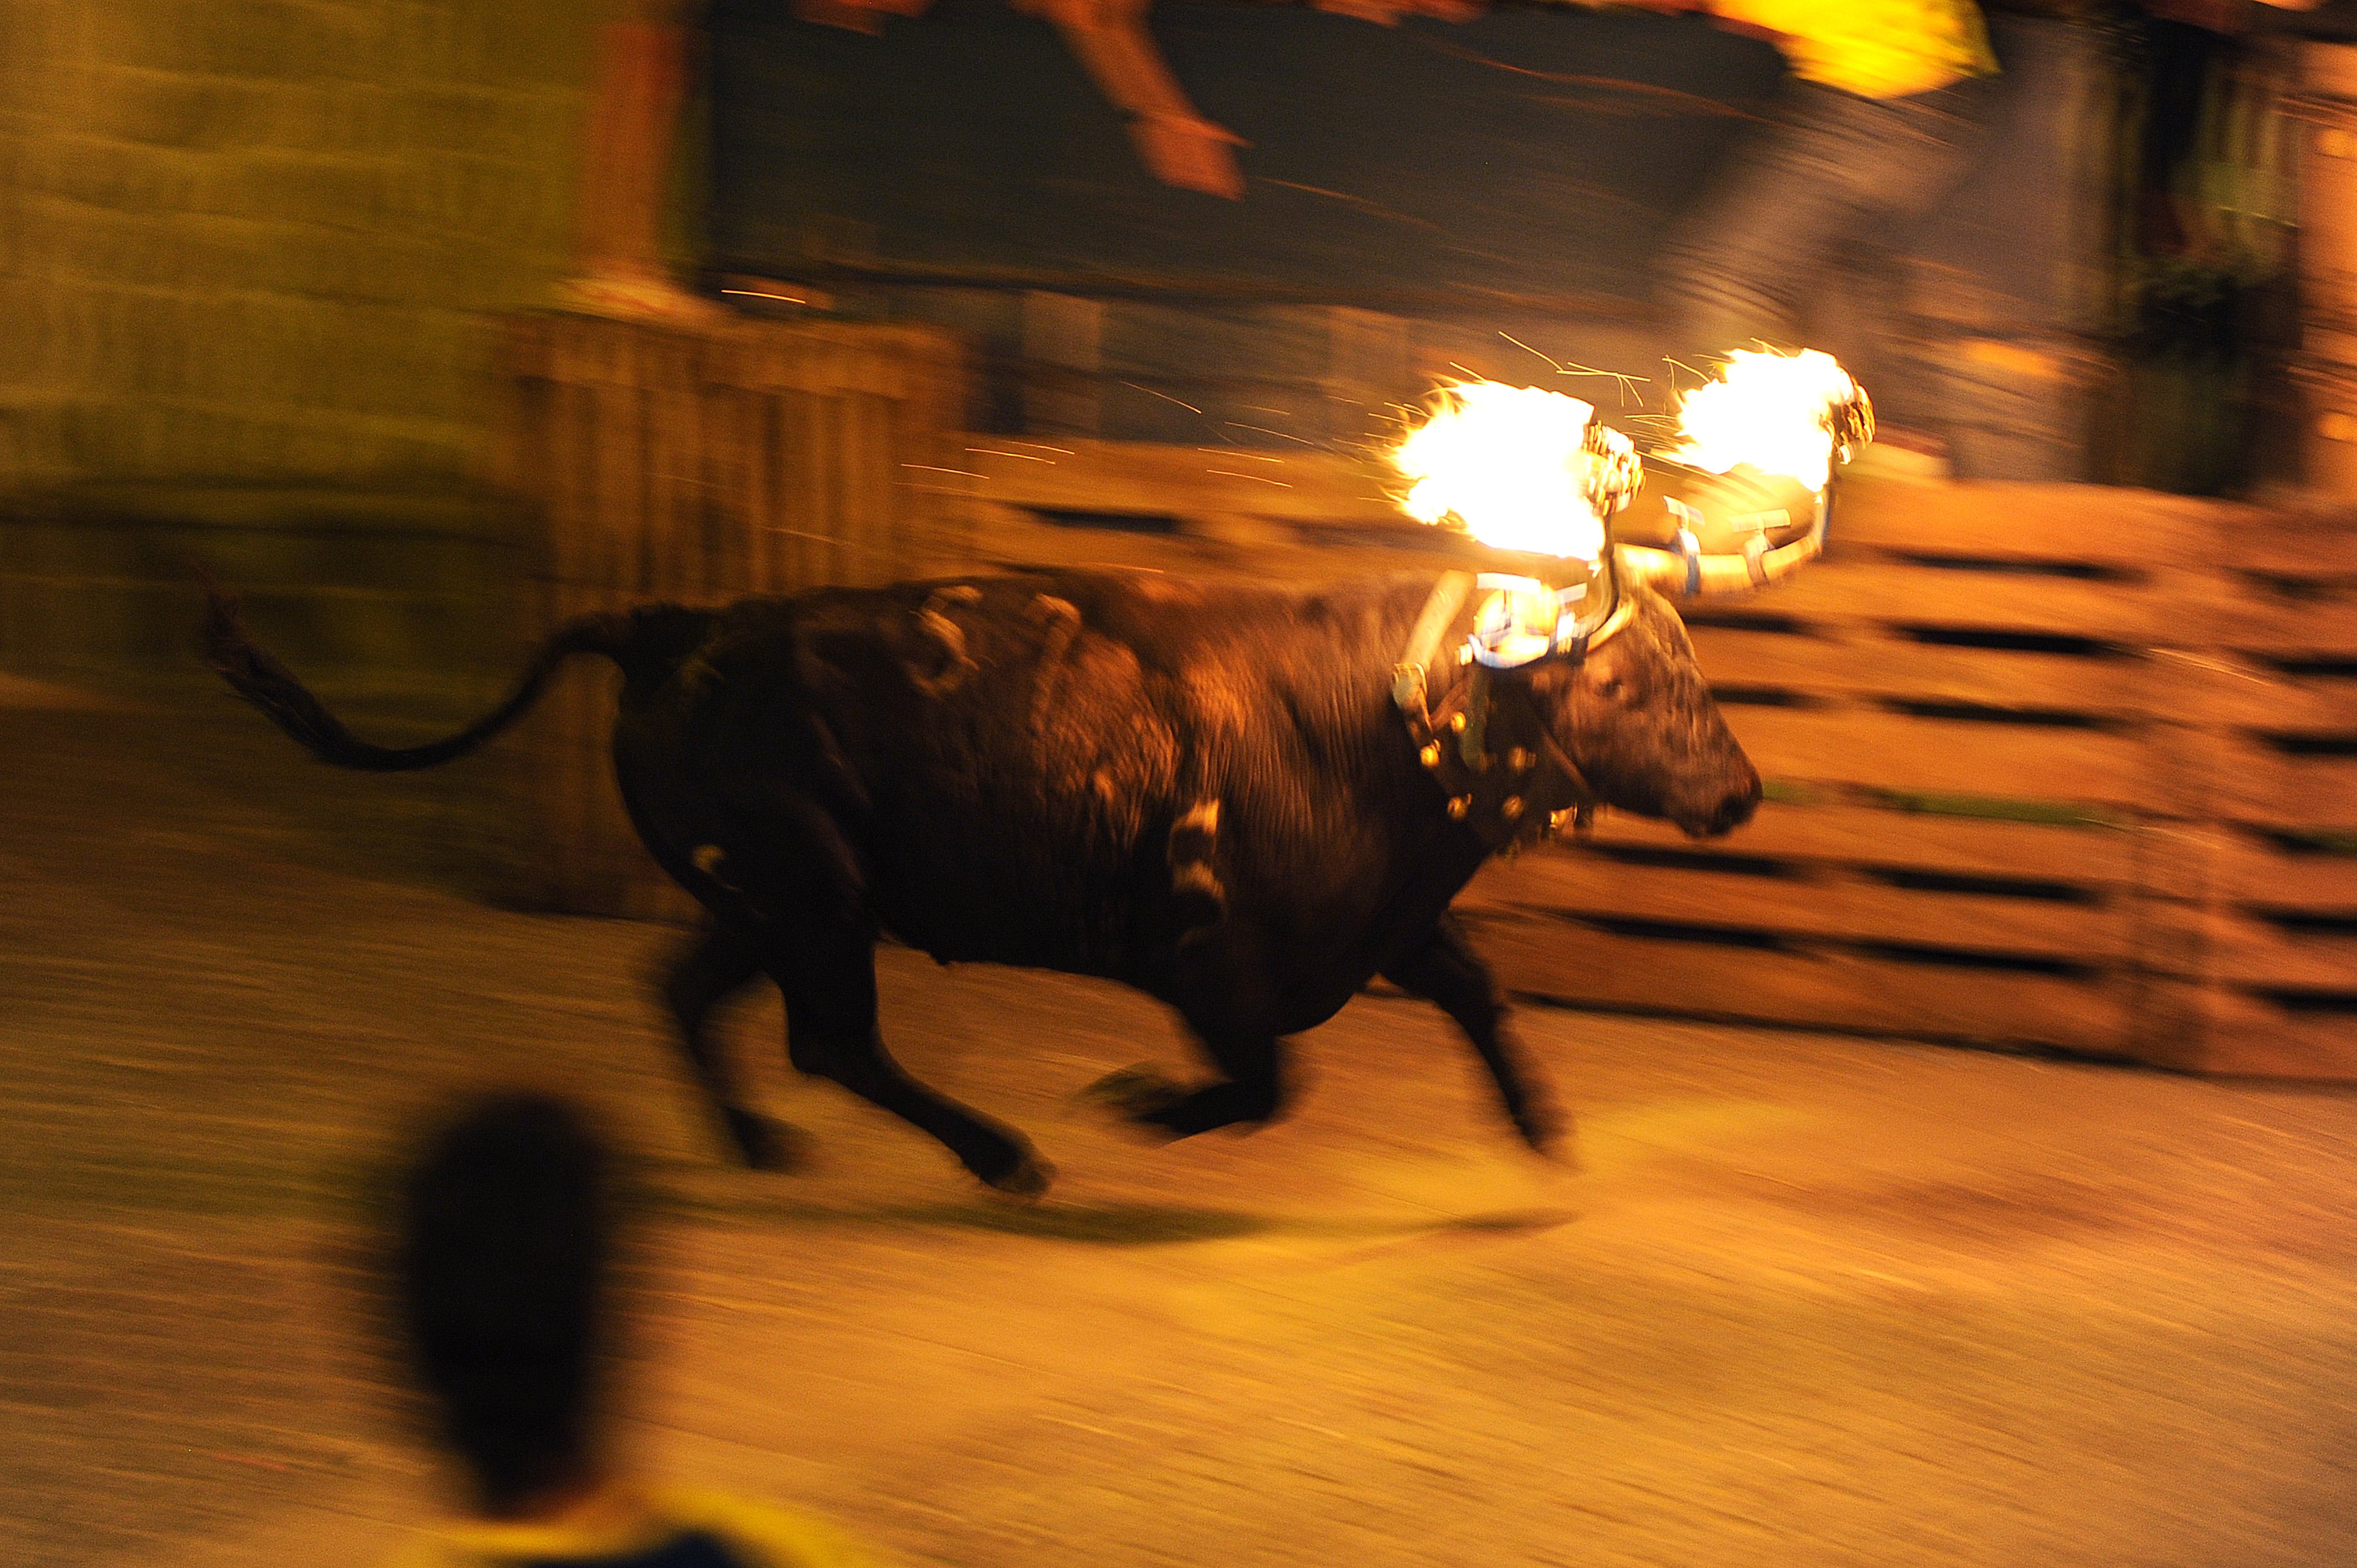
2270 869
2050 766
701 467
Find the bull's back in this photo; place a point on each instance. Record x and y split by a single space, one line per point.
1019 748
1014 760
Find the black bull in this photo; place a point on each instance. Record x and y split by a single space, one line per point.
1202 791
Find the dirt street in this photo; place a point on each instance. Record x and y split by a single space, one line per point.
1809 1300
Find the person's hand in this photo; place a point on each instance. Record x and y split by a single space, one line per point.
1387 13
1189 153
859 15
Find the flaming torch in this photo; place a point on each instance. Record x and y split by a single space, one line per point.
1518 468
1532 472
1780 413
1753 467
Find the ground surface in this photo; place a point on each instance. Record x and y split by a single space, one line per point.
1810 1300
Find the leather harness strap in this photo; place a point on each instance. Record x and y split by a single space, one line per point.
1488 748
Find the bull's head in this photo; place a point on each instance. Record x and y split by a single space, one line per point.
1602 654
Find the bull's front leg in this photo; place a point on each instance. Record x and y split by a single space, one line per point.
1446 971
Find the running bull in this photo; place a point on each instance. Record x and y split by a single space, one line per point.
1242 800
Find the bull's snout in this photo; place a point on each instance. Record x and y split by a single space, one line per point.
1730 810
1736 809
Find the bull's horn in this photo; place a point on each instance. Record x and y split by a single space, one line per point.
1690 574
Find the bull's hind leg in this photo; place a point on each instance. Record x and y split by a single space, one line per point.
829 980
719 963
1446 971
1254 1090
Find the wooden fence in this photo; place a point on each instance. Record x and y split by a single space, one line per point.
2048 766
699 466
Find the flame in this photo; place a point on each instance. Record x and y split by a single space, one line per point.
1506 463
1772 411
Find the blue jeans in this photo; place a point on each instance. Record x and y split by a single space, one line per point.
1833 172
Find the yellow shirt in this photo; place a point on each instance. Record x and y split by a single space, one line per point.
626 1524
1875 48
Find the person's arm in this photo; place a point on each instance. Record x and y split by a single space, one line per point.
1387 13
858 16
1176 144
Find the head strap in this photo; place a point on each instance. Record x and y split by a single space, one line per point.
1486 744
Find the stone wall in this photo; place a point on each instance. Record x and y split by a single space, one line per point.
247 248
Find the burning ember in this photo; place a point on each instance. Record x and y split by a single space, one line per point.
1782 414
1516 467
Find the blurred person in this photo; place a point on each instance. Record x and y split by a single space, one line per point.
1880 117
638 83
503 1280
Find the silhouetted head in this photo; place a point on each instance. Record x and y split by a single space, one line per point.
1638 720
501 1267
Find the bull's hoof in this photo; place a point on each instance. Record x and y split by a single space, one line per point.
1140 1099
766 1144
1135 1092
1026 1180
1551 1136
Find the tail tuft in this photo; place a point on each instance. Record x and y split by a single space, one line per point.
286 702
263 680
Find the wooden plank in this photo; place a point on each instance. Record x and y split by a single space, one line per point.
2258 876
2261 786
2250 1037
2088 856
2219 687
2316 543
1587 884
2250 954
2322 629
2011 603
1894 669
1565 961
1944 757
2096 524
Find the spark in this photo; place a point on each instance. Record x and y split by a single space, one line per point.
764 294
1163 396
1682 365
846 544
937 468
1042 446
1371 210
1280 435
1240 452
995 452
1553 363
1681 102
1257 478
1620 378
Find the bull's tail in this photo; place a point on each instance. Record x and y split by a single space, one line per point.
288 703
